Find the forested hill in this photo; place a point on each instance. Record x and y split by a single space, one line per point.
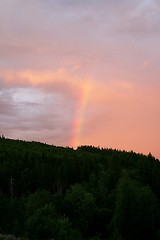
49 192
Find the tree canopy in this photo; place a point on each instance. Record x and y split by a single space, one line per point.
50 192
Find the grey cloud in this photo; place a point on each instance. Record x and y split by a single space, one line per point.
60 18
143 18
48 34
52 116
7 107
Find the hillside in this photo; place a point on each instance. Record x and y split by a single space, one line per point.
50 192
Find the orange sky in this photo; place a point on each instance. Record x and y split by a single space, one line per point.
81 72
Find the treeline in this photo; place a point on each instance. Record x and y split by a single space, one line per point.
49 192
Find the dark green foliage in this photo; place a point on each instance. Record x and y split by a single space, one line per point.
80 207
37 200
44 223
49 192
4 211
135 211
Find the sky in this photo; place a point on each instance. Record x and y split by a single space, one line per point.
81 72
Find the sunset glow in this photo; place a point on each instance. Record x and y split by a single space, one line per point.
81 72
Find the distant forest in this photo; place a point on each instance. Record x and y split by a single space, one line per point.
49 192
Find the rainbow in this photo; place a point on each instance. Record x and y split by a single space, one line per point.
79 115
